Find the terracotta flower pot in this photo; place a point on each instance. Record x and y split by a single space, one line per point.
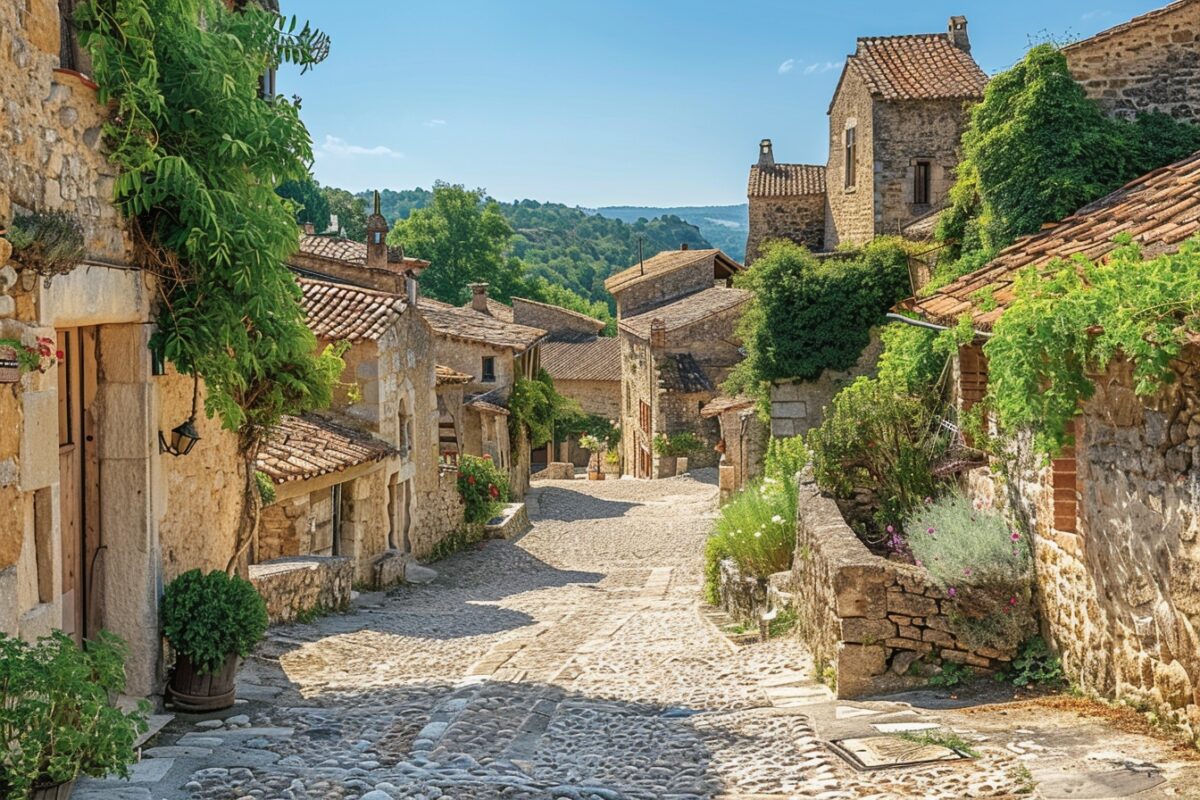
595 475
58 791
210 691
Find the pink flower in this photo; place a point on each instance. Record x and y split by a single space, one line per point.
1016 537
967 572
929 531
928 501
890 529
951 592
1012 601
919 562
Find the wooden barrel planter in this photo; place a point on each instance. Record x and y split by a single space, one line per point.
210 691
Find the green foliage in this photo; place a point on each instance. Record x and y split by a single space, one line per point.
571 420
536 406
809 315
199 154
266 487
483 487
1036 665
757 530
782 623
57 718
467 240
677 445
1036 149
1073 318
310 203
878 439
49 243
350 210
983 564
564 246
785 458
724 226
913 359
540 289
951 674
210 617
941 737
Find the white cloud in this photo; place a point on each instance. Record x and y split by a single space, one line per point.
819 66
336 146
787 66
435 123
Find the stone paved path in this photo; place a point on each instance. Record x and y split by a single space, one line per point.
575 662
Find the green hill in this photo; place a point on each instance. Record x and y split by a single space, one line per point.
725 226
570 246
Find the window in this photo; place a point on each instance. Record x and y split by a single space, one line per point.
1065 483
489 369
851 156
921 185
972 377
405 431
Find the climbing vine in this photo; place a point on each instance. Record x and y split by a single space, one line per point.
535 406
1069 320
200 153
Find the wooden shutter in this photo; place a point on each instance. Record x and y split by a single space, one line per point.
972 377
1065 483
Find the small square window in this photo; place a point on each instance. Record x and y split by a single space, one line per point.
489 369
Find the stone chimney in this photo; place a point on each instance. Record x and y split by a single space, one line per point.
377 231
658 333
957 31
309 229
683 246
479 297
766 155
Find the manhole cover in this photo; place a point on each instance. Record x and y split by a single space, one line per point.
884 752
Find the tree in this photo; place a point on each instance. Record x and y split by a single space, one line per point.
466 238
309 199
351 212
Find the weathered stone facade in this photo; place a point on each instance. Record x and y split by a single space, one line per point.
294 587
799 406
1151 63
798 219
866 619
1117 553
850 210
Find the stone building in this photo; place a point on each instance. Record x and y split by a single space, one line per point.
1150 63
743 443
895 122
493 352
1114 518
678 315
787 201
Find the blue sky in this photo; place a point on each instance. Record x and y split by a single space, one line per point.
625 102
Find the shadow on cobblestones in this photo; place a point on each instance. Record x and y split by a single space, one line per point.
561 504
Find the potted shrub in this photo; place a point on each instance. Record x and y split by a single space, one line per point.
211 621
57 719
593 445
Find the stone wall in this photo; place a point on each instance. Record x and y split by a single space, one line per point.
639 384
850 213
293 587
664 288
1120 594
467 358
1151 65
602 398
443 514
872 621
745 437
551 319
904 133
798 219
798 406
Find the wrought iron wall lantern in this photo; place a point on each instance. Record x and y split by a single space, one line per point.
183 436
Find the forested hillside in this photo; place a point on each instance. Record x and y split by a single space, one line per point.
568 246
725 226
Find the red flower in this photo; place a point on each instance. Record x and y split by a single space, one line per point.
58 354
471 480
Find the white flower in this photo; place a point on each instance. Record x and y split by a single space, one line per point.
777 519
758 534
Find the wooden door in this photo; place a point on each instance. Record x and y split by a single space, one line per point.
79 478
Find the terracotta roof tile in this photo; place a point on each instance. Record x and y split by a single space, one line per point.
667 262
447 376
596 360
924 66
1159 210
687 310
469 325
680 372
300 448
1141 19
786 180
350 251
338 311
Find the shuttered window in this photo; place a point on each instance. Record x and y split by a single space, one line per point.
1065 483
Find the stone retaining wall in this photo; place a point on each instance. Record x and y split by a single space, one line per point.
293 586
869 622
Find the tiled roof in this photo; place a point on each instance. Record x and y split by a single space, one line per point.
349 251
1117 30
469 325
337 311
722 403
596 360
923 227
493 402
1159 210
496 309
584 318
687 311
679 372
786 180
665 263
300 448
924 66
446 375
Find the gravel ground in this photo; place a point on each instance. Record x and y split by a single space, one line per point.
574 662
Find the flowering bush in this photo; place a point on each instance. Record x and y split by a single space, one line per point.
756 530
785 458
40 356
482 486
983 564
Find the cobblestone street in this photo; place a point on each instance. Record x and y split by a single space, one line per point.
574 662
